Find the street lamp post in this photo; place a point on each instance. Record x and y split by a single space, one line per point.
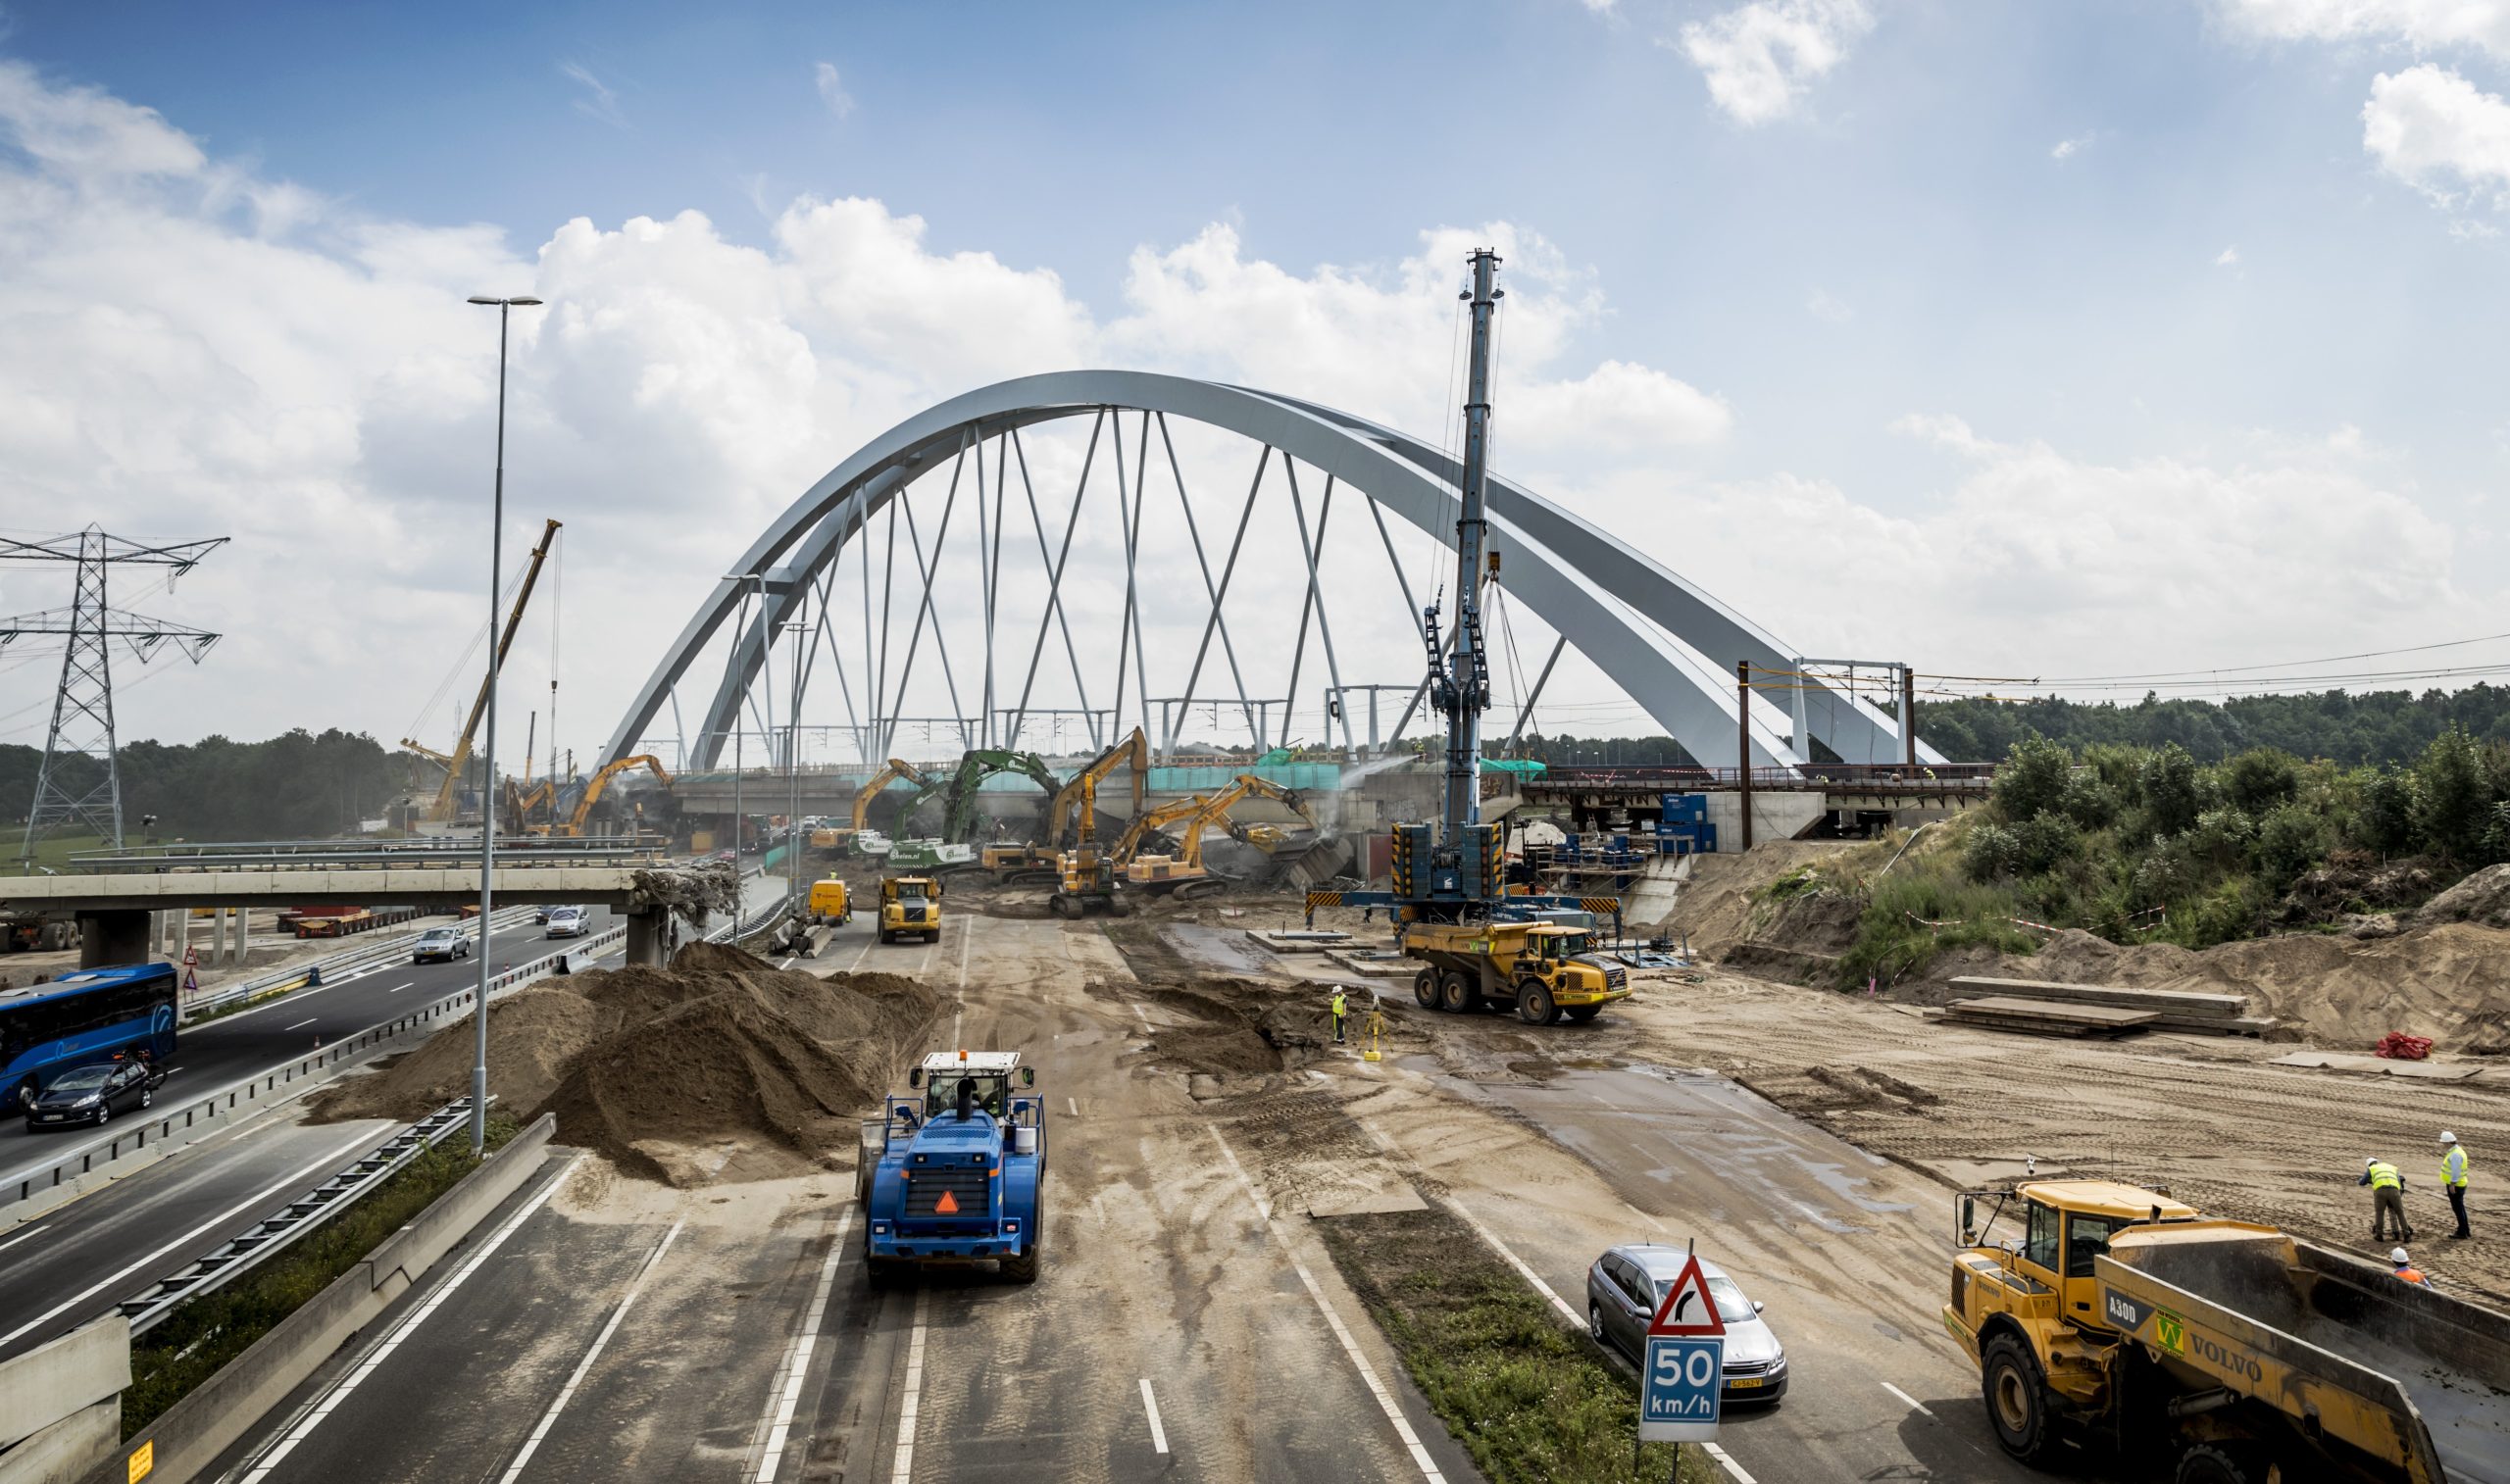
793 776
488 754
740 633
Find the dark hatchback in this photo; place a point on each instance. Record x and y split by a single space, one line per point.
91 1094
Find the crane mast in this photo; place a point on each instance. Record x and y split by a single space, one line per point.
1460 683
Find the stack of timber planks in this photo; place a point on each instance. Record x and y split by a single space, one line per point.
2180 1010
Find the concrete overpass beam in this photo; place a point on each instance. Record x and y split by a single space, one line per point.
648 937
113 937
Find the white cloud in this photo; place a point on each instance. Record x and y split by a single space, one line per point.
2432 128
1827 306
2418 24
2228 258
2067 149
186 349
600 102
832 93
1760 58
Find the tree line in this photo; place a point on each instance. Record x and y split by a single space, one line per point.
298 786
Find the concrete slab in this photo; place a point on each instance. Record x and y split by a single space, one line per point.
2382 1067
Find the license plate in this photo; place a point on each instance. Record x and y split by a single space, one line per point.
1747 1383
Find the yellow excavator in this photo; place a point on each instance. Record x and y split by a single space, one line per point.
890 772
1182 873
453 762
521 803
1084 875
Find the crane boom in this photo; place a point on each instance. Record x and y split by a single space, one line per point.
441 811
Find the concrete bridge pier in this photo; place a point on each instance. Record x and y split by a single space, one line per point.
114 936
648 937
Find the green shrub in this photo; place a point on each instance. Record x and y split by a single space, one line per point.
2259 779
2045 842
1991 853
2290 840
2453 802
2385 823
2033 779
2169 789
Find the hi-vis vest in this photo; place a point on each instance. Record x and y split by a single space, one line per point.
2413 1275
2386 1177
2453 1166
1337 1005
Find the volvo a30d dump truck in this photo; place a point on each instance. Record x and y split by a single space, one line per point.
2212 1351
956 1174
1542 968
910 904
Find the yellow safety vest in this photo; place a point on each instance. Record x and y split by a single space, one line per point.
1337 1005
2453 1166
2386 1177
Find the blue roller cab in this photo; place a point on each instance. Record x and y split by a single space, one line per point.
956 1172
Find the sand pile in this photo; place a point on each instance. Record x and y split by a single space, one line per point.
721 1066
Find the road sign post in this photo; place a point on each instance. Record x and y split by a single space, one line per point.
1682 1384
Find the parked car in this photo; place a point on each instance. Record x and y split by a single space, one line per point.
567 922
91 1094
1627 1285
540 917
440 944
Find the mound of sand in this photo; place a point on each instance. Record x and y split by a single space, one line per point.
721 1052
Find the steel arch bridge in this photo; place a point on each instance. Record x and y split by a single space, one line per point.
1668 645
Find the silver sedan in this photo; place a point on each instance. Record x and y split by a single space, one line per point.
1627 1285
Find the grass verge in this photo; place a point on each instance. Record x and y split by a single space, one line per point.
190 1345
1533 1401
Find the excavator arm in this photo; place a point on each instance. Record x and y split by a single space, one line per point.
1129 844
959 806
1071 815
600 782
896 769
1217 813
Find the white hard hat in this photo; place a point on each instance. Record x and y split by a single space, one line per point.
2447 1137
2373 1160
2397 1256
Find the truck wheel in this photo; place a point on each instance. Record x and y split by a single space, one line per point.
1455 994
2017 1401
880 1272
1533 1004
1581 1013
1023 1267
1425 988
2220 1463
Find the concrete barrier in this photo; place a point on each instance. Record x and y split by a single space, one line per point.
61 1404
191 1434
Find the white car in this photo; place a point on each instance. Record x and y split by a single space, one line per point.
440 944
568 922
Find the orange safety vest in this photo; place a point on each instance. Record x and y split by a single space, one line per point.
2412 1275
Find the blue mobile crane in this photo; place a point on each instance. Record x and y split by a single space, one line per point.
956 1172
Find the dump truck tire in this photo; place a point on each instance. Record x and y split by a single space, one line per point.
880 1272
2017 1400
1534 1005
1455 994
2220 1463
1581 1013
1023 1267
1425 988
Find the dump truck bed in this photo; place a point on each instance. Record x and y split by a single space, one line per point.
2413 1378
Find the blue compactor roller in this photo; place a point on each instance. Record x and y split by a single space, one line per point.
955 1173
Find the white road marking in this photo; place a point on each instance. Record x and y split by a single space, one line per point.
1517 1262
22 1236
323 1407
902 1466
1072 1106
397 988
1151 1404
1368 1373
301 1024
363 1138
787 964
566 1393
787 1394
1726 1461
1905 1396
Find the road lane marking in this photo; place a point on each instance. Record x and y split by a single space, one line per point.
301 1024
1151 1404
397 988
330 1401
1072 1106
902 1466
1517 1262
1351 1347
566 1393
363 1139
1905 1396
22 1236
787 1394
1726 1461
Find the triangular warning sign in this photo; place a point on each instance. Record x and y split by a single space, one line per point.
948 1206
1688 1309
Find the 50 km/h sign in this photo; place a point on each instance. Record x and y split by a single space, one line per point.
1683 1382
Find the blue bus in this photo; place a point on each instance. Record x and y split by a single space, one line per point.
90 1015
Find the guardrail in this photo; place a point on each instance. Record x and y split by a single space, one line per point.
450 850
161 1133
308 1212
336 965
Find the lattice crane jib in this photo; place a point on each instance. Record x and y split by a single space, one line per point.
78 786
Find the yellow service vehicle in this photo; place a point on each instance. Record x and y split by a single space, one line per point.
831 902
910 904
1542 968
2213 1352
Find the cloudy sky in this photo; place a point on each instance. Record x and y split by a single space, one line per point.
2031 340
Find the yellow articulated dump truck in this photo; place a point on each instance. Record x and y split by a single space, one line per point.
1541 969
2212 1351
910 904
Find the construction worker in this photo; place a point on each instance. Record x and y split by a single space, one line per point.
2387 1199
2453 1181
2405 1269
1341 1007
